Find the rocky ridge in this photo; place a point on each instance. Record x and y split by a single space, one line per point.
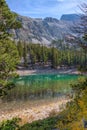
37 30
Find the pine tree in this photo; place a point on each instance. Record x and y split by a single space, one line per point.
8 20
25 54
20 48
8 51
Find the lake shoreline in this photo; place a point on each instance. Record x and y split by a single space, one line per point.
34 113
38 110
24 72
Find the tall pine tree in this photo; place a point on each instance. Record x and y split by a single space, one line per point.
8 51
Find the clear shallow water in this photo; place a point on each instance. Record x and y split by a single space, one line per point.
41 87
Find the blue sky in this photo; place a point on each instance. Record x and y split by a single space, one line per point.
44 8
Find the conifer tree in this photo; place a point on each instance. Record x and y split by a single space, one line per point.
8 51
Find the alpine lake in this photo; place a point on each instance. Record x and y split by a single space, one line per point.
37 87
36 90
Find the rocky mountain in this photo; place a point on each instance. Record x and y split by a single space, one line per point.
70 17
38 30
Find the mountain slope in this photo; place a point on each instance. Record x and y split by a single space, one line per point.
41 30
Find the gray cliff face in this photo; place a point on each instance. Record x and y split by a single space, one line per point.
70 17
41 30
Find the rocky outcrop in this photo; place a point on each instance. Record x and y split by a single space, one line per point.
70 17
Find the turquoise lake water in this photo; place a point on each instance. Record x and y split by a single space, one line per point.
41 86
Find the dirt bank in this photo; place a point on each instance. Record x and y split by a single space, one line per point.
32 113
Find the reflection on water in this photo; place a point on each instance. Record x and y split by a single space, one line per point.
40 87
